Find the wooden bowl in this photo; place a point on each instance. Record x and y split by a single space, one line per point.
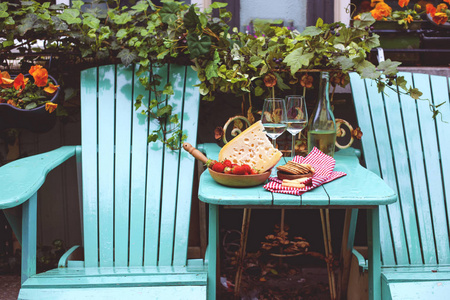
283 175
239 180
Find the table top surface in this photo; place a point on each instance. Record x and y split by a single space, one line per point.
359 188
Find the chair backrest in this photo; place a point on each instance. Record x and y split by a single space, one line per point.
136 195
409 149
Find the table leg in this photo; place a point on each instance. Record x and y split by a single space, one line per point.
373 242
328 250
213 246
348 238
242 250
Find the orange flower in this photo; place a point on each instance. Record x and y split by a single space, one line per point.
403 3
306 81
19 82
375 2
5 80
40 77
384 9
34 69
376 14
409 19
440 18
431 10
357 17
12 102
448 1
50 106
441 7
270 80
51 88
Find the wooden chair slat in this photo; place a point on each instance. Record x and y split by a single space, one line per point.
88 93
170 176
138 175
401 167
154 183
385 158
433 169
106 94
124 109
187 162
417 168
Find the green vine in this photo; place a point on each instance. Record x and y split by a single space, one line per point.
225 59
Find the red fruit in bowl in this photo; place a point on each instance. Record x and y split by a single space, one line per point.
218 167
227 163
247 168
238 170
227 170
254 172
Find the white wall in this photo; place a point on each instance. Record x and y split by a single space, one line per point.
274 9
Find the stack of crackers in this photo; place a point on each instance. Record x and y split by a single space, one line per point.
300 173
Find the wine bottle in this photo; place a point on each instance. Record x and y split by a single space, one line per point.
322 126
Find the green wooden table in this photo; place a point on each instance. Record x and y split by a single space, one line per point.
359 189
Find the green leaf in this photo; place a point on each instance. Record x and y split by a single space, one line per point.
174 119
168 12
168 89
259 91
141 6
198 46
127 57
218 5
401 82
319 22
164 111
138 101
415 93
296 59
389 67
122 19
311 31
121 33
31 105
191 19
91 22
212 68
280 84
70 16
77 4
255 61
152 138
345 62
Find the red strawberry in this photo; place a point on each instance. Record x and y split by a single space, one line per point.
210 163
218 167
254 172
227 170
238 170
227 163
247 168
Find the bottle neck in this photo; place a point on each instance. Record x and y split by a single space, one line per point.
324 91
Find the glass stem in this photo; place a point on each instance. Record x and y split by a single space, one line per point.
293 145
274 142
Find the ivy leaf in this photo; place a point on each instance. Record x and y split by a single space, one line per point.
174 119
152 138
255 61
198 46
319 22
366 20
280 84
212 67
389 67
141 6
311 31
164 111
401 82
77 4
345 62
191 19
127 57
31 105
121 33
168 12
296 59
70 16
259 91
168 89
138 101
122 19
415 93
27 23
59 25
91 22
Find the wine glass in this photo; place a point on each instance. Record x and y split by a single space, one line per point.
297 117
273 118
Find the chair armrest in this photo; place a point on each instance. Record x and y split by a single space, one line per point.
211 150
20 179
65 257
362 262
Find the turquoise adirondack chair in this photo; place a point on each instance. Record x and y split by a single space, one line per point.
135 197
409 149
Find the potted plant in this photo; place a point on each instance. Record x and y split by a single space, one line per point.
28 101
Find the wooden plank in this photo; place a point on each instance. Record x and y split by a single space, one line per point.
138 175
189 120
402 172
88 93
29 233
417 168
171 174
124 109
106 95
154 182
393 221
433 169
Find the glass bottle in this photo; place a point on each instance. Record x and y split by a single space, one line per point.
322 126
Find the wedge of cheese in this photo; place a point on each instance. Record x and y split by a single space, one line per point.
252 147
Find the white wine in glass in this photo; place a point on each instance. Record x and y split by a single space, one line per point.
273 117
297 117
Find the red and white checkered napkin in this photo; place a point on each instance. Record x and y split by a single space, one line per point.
322 163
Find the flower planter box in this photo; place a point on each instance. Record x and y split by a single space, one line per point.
36 120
